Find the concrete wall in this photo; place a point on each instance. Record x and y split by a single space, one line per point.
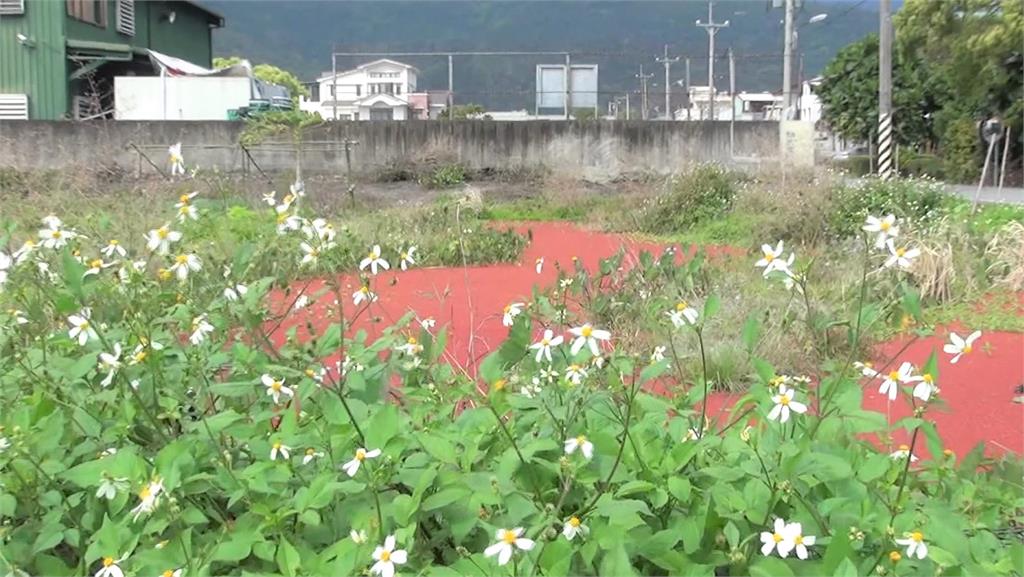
596 149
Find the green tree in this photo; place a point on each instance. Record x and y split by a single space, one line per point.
849 95
268 73
463 111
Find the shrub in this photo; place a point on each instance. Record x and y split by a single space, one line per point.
445 176
916 200
704 193
960 155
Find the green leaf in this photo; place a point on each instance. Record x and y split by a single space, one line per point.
874 467
49 536
234 549
615 561
382 426
679 487
287 558
402 508
444 498
770 567
711 306
439 448
751 331
846 568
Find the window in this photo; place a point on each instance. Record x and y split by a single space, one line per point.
91 11
345 116
359 91
126 17
13 107
382 114
11 7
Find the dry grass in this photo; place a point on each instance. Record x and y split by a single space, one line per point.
1006 250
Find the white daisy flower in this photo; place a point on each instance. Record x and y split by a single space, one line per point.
776 540
771 258
692 435
55 235
23 253
374 261
300 303
924 388
510 312
270 198
297 188
176 159
683 315
892 381
110 487
411 347
884 228
184 264
81 330
200 328
319 229
579 442
543 346
534 388
288 222
352 467
588 336
958 346
914 542
363 295
279 448
233 293
659 354
286 203
428 323
406 257
901 257
109 567
159 240
902 453
186 210
310 456
575 374
113 247
18 316
358 537
784 404
276 388
110 362
149 498
800 542
387 557
508 540
574 527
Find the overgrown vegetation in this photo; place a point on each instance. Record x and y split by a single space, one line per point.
158 421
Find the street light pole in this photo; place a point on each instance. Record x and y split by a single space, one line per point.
885 88
712 28
787 63
668 83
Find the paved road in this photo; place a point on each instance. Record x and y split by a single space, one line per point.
989 193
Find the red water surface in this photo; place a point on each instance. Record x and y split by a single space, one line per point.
976 393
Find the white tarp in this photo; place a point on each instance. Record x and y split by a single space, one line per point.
172 66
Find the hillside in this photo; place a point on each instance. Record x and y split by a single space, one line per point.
619 36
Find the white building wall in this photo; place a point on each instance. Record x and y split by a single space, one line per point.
356 84
179 97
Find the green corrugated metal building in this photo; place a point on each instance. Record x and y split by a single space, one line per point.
63 54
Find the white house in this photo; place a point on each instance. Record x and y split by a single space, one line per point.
700 105
380 90
758 106
810 104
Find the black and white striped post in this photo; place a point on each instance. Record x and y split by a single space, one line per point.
885 146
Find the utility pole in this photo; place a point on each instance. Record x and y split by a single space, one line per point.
712 28
732 102
451 88
787 63
686 88
885 89
668 83
643 91
568 87
334 82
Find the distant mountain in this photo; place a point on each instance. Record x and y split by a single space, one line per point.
619 36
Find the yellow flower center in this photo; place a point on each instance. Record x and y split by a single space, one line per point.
681 306
799 540
917 536
168 573
507 308
500 384
162 232
183 198
276 386
928 378
412 340
574 368
163 274
277 445
405 256
885 226
310 373
55 234
95 263
84 325
288 199
894 375
948 452
777 537
360 455
586 331
364 290
967 348
372 256
108 561
114 242
184 210
900 252
895 556
784 401
310 452
769 256
904 448
385 556
140 356
509 537
545 342
181 259
581 439
145 493
575 521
